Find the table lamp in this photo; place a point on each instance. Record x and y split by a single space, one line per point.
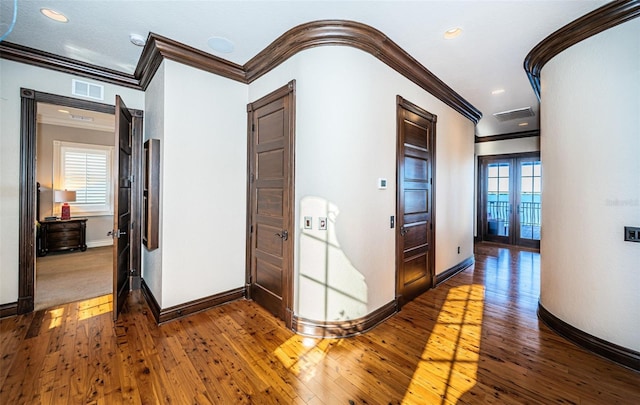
65 196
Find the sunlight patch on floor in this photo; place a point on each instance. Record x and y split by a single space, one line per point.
56 317
301 354
94 307
446 372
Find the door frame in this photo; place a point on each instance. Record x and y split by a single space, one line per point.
403 104
514 179
287 90
29 100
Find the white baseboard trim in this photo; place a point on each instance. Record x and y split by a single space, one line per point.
100 243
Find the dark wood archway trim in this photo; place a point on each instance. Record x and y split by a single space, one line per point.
504 137
601 19
621 355
297 39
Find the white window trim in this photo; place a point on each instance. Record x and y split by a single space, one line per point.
83 210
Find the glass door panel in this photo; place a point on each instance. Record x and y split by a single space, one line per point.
529 204
498 201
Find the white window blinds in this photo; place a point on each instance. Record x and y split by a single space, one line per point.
87 170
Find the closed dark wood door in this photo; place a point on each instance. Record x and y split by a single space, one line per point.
122 207
414 233
270 246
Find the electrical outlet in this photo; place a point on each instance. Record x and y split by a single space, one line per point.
322 223
631 234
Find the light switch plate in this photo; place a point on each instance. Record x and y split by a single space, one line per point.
322 223
382 183
308 222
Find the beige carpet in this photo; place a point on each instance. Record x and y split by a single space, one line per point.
67 277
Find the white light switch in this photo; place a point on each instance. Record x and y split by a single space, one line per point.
322 223
308 222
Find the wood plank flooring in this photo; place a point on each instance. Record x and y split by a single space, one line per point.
473 340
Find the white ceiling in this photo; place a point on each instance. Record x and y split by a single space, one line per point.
489 55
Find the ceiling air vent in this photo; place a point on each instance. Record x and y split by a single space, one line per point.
516 114
86 89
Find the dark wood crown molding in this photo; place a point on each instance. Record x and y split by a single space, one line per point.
365 38
158 48
305 36
621 355
511 135
59 63
601 19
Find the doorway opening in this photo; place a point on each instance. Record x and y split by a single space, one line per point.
509 199
74 153
28 240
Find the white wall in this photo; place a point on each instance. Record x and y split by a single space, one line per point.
345 141
14 76
203 184
590 150
154 129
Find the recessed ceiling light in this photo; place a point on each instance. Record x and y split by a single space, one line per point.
497 91
220 44
137 40
64 111
452 33
523 124
54 15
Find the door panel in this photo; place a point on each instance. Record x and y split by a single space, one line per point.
270 202
529 202
122 218
414 235
498 196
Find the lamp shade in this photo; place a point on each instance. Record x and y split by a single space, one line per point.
61 196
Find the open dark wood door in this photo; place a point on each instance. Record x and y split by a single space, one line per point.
270 200
414 235
122 207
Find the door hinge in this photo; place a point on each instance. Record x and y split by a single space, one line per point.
132 272
431 181
431 226
251 229
131 178
252 177
253 127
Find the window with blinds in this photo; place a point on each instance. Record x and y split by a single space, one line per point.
87 170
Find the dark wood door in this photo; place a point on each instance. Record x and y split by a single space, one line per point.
271 233
122 207
414 233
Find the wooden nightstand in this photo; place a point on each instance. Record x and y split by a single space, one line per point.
69 234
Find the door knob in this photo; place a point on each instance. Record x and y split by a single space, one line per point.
284 235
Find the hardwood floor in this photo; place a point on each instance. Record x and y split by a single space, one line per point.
475 339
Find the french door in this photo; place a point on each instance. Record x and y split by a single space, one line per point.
510 199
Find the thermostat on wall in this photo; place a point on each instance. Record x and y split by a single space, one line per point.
382 184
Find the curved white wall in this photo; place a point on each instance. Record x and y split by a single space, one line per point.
345 141
590 148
